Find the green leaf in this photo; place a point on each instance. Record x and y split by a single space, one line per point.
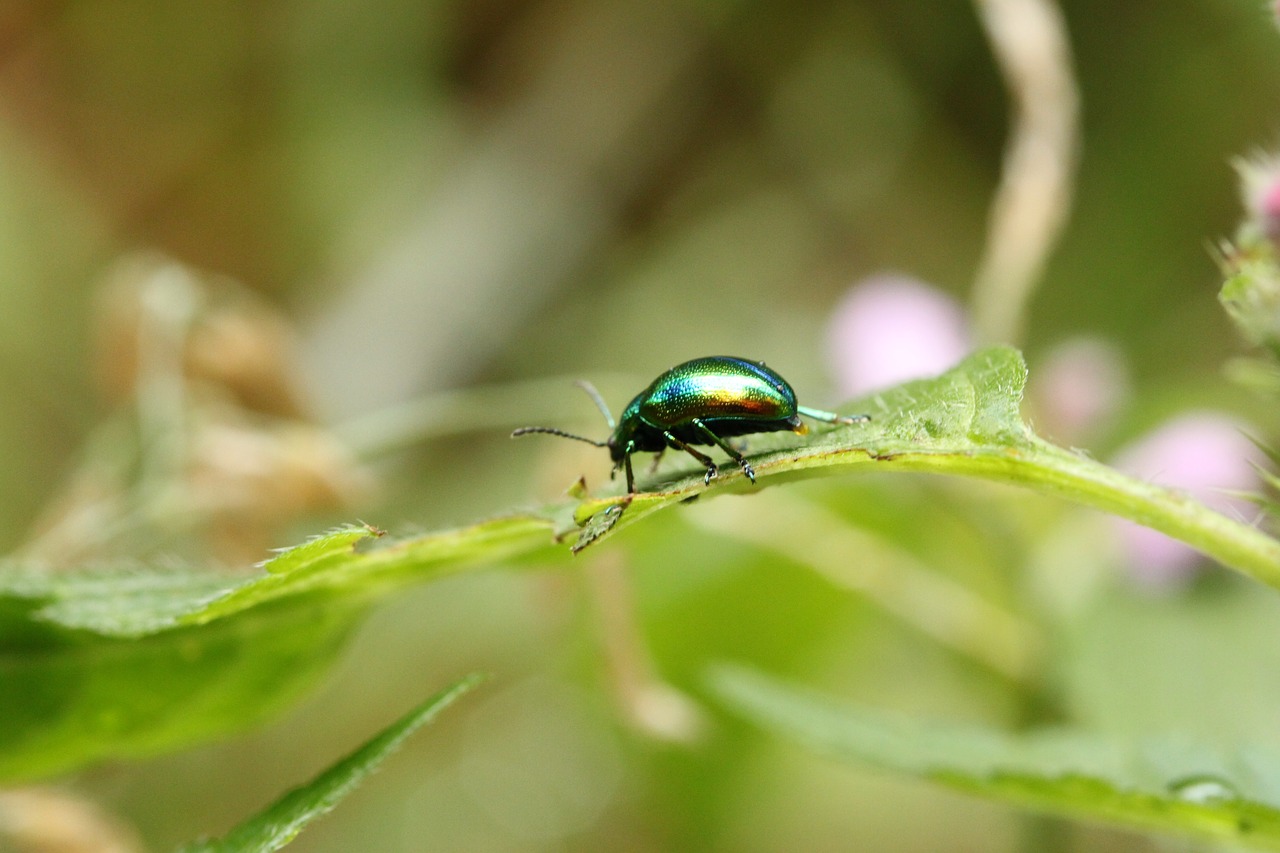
138 603
1161 784
68 698
128 663
281 822
965 422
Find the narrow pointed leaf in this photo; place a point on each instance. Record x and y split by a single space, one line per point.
281 822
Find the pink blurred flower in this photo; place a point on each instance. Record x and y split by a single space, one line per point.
890 328
1205 454
1076 388
1260 185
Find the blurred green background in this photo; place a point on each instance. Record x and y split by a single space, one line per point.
440 195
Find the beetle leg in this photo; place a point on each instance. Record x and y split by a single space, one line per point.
657 457
706 460
626 463
727 448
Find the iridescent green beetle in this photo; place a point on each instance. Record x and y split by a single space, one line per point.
703 401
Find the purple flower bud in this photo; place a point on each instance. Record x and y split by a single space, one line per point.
1206 454
890 328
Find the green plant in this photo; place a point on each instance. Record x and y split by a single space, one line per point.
171 657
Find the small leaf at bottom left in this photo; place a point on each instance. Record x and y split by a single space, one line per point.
280 823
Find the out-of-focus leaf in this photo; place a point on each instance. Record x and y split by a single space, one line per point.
1162 784
68 698
281 822
129 663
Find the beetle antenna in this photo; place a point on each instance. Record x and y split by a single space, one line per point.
598 400
559 432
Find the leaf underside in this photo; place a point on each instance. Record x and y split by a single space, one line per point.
129 663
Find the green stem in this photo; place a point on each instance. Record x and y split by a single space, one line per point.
1084 481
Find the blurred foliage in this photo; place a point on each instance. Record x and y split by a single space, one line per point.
435 197
1163 784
